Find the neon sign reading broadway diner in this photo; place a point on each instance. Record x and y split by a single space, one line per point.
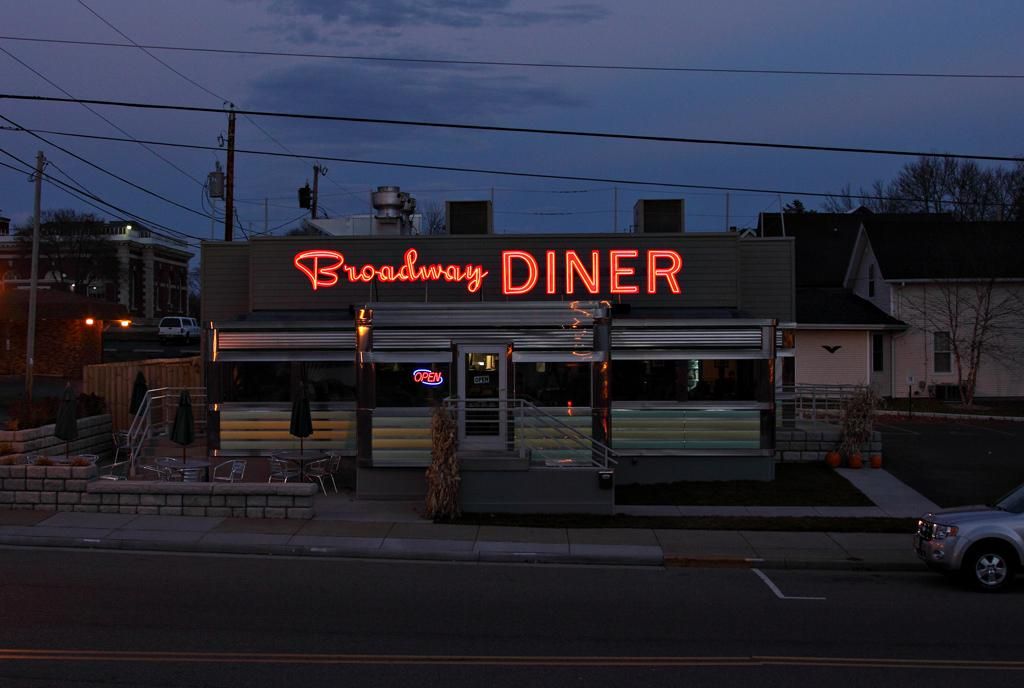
521 271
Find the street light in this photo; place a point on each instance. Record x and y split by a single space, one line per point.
90 322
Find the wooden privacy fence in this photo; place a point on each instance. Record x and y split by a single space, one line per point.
113 381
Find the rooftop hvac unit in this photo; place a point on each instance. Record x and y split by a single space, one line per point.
659 216
469 217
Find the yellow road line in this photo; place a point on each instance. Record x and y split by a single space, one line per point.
64 655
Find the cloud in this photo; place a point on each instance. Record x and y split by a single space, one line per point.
449 13
419 93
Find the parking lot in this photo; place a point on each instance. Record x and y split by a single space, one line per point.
954 462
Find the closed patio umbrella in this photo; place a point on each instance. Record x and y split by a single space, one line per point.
302 420
67 420
183 431
139 390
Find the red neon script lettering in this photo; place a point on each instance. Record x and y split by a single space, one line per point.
319 275
326 275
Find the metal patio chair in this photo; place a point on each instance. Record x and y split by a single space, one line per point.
318 470
229 471
282 470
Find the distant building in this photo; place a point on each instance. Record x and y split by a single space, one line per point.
152 279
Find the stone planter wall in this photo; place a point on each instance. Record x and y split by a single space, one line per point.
67 488
793 444
45 488
94 437
239 500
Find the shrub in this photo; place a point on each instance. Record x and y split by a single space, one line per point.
43 461
44 411
79 461
8 460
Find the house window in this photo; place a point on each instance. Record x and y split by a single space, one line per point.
871 280
942 352
877 353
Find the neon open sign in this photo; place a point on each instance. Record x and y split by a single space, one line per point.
593 272
431 378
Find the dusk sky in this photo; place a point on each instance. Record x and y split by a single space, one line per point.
979 116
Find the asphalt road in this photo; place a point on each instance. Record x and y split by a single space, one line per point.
955 462
117 619
133 346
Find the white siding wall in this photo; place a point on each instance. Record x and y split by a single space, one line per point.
860 279
849 365
1001 372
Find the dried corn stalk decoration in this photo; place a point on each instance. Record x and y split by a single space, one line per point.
857 420
443 473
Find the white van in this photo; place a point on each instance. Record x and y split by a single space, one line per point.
185 329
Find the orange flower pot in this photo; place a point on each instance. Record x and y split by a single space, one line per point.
833 459
855 461
875 460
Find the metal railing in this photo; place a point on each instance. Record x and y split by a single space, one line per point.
522 427
816 403
156 416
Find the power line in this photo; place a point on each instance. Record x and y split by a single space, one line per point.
184 76
106 171
79 193
521 130
86 106
530 65
513 173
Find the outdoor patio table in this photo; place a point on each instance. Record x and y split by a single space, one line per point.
301 457
177 465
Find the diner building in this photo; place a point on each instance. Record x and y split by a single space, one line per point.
569 361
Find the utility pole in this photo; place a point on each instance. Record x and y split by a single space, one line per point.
316 184
30 344
229 181
266 216
727 211
615 209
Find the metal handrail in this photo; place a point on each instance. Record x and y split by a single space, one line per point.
600 455
141 429
817 403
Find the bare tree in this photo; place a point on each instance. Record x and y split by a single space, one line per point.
434 219
942 185
983 316
874 199
74 249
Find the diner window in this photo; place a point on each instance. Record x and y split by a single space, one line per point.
942 352
330 381
275 381
553 384
400 385
871 280
877 353
255 382
687 380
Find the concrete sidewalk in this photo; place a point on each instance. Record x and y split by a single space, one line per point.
346 527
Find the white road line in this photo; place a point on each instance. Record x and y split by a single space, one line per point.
775 589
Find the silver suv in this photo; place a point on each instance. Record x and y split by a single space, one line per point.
984 544
175 327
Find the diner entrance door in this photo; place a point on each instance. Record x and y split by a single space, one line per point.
483 389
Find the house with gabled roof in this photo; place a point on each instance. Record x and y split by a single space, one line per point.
910 304
959 287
